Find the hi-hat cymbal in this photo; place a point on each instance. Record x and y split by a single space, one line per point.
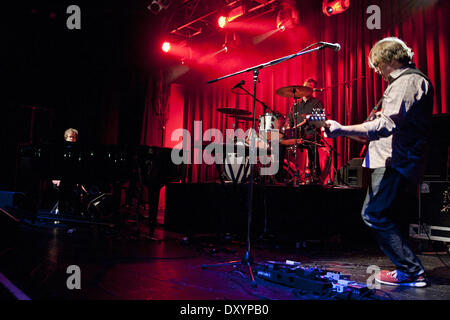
294 91
234 111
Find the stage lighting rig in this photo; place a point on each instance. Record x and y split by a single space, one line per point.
332 7
232 41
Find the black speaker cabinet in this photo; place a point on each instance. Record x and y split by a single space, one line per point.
438 155
435 203
433 222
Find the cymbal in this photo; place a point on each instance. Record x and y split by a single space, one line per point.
291 142
242 118
294 91
234 111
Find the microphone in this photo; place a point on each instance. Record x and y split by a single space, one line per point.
335 46
238 84
318 90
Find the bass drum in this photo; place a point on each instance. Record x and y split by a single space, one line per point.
236 168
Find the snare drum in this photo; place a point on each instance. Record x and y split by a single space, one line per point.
291 136
269 123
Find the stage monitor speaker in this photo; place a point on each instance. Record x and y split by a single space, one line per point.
353 174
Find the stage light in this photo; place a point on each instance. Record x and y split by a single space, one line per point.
157 5
231 42
227 15
287 16
281 27
332 7
166 46
154 7
235 13
222 21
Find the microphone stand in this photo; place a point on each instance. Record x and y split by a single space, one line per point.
266 107
247 259
340 180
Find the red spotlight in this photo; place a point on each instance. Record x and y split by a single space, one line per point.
166 46
332 7
222 21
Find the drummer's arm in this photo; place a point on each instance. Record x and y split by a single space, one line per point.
301 123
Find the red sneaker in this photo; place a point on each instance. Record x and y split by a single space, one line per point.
399 278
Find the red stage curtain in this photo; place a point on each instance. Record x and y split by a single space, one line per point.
352 89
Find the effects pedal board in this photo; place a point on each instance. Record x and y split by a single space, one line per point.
310 278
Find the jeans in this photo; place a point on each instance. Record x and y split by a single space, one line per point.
387 199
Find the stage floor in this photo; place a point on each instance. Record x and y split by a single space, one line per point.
123 264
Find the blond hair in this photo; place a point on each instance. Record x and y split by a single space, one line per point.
70 130
388 50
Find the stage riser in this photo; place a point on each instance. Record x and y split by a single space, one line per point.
306 212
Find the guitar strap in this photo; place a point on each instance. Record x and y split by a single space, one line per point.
411 70
374 110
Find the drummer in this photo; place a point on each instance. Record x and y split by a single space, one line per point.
297 119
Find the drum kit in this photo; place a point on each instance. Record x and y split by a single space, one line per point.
274 125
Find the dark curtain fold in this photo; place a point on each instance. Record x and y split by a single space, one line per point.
155 110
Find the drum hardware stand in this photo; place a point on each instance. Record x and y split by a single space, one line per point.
296 130
247 259
340 180
297 177
314 175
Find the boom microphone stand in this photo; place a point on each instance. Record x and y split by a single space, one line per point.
266 107
247 259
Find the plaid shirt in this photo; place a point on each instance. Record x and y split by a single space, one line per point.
399 134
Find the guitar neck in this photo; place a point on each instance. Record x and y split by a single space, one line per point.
317 118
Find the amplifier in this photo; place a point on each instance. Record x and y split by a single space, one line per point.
434 203
353 174
433 222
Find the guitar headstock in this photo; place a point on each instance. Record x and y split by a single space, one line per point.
317 118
